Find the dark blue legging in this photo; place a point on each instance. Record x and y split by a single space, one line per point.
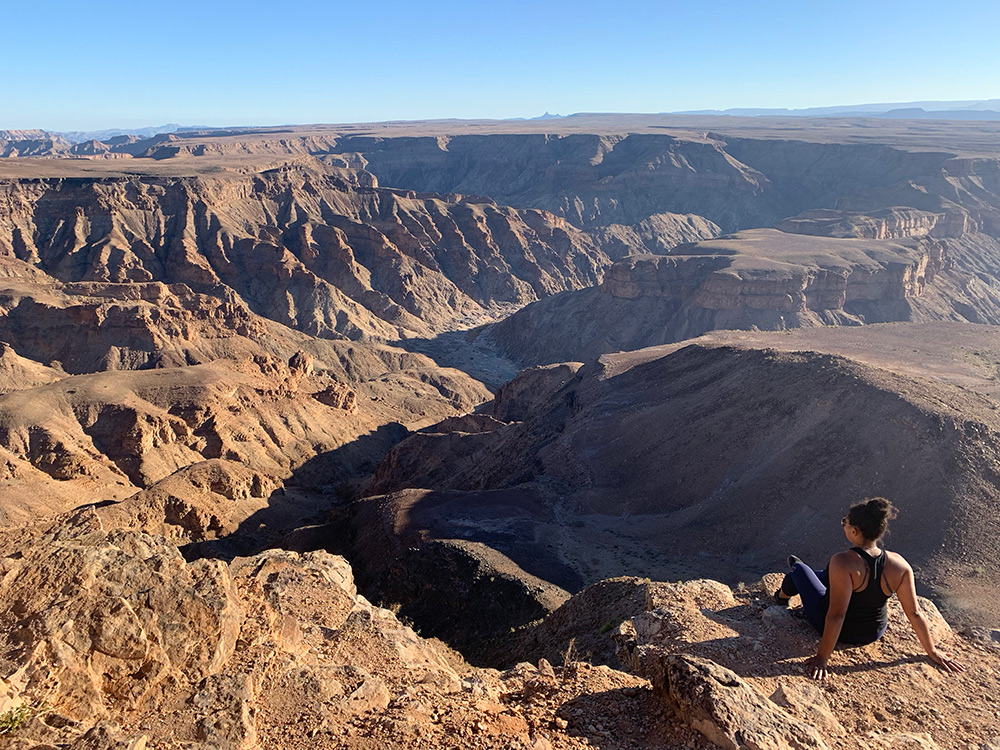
812 587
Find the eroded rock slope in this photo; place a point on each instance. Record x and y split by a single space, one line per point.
319 249
736 182
113 387
720 459
203 363
763 279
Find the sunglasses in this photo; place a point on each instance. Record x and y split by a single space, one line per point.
844 521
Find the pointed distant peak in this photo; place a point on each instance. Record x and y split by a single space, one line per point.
547 116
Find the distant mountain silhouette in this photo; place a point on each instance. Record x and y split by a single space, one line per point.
79 136
983 109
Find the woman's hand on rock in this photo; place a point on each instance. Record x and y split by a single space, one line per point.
945 661
816 667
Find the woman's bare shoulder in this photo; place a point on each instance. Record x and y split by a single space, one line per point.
896 561
845 559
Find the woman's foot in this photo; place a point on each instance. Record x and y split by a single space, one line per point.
792 559
780 599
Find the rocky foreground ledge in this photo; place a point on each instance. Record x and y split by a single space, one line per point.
110 640
729 665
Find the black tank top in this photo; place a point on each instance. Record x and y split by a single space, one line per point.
868 613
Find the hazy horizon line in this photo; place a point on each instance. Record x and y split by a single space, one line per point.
937 105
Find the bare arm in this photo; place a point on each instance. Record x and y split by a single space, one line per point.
907 595
840 598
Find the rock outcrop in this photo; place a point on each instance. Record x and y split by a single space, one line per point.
767 270
92 327
713 656
882 224
116 626
725 709
517 399
430 577
199 502
115 617
758 279
110 640
19 372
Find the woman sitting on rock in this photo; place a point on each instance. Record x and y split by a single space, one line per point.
848 602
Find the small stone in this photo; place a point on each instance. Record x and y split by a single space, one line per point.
807 701
545 669
778 617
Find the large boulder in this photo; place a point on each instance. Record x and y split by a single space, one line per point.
724 708
105 628
99 617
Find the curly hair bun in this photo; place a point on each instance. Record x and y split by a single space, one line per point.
880 509
872 516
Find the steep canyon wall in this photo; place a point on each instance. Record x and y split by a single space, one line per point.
738 183
319 249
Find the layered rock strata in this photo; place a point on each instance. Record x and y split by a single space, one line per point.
766 270
764 279
597 172
318 249
143 380
735 182
885 224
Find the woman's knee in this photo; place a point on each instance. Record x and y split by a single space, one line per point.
806 581
788 587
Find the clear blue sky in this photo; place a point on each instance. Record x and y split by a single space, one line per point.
89 64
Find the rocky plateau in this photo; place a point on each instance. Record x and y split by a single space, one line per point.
759 279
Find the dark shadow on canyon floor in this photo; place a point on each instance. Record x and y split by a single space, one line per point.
465 351
315 495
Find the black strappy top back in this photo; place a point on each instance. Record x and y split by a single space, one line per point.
868 612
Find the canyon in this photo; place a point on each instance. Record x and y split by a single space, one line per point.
348 434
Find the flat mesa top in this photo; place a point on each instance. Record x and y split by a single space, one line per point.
957 353
28 168
960 138
965 137
772 248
